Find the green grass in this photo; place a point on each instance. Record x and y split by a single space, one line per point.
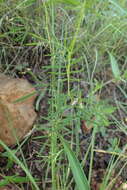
85 77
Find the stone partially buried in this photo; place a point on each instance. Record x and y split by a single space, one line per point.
16 117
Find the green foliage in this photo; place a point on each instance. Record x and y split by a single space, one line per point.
77 35
96 112
114 145
79 176
14 157
117 5
115 67
13 179
68 2
10 160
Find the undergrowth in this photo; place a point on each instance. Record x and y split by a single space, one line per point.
76 52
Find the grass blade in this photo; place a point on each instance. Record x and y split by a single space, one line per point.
28 174
114 66
79 176
13 179
23 98
115 3
68 2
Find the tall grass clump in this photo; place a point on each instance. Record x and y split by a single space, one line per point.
85 44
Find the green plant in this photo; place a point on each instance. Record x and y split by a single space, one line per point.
79 176
15 159
74 45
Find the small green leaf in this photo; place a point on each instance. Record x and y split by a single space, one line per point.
115 67
79 176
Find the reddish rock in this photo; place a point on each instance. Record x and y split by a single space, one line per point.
16 117
10 187
4 188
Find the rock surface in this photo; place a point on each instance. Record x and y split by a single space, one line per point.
4 188
12 187
16 118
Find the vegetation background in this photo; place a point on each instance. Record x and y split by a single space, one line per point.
75 53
